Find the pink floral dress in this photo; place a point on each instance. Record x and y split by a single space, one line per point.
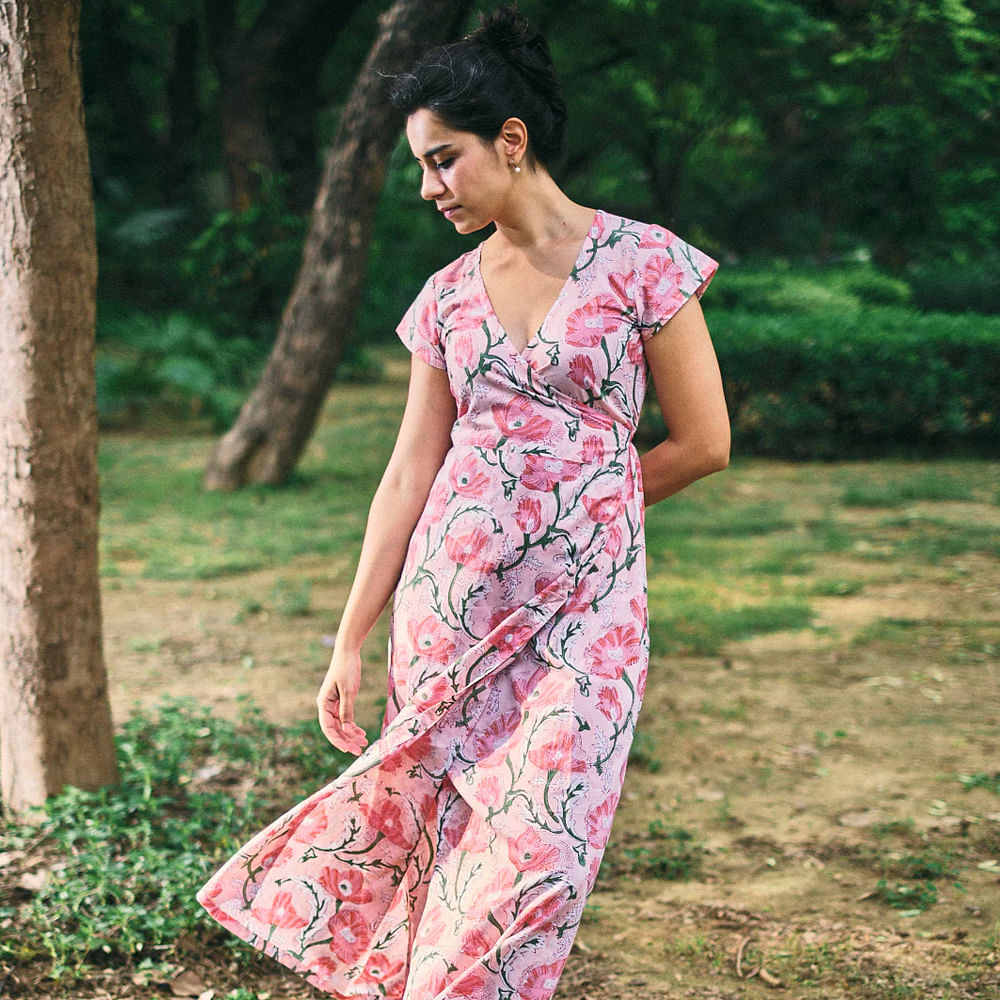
454 856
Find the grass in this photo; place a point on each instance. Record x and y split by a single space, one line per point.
758 550
899 491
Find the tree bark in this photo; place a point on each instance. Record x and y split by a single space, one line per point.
276 421
247 60
55 719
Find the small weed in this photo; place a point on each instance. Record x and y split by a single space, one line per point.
643 753
991 782
289 598
910 898
674 854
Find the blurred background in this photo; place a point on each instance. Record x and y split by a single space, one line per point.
840 158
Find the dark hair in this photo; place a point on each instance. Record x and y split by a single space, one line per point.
502 70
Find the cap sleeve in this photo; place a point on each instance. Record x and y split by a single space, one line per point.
419 328
670 271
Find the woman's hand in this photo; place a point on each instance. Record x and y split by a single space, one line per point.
335 702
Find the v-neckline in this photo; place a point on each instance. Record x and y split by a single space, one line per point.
534 338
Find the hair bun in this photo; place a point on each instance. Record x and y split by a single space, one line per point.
505 31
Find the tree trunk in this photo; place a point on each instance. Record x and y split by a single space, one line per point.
276 421
247 62
55 720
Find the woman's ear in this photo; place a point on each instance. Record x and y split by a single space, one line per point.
512 142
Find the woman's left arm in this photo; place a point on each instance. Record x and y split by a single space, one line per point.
688 385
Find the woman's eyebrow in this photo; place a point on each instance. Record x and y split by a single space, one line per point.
435 150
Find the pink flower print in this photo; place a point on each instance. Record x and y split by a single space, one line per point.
655 236
623 285
351 935
490 792
593 449
581 371
554 754
609 704
496 733
662 285
635 350
517 419
431 638
599 821
312 825
613 541
615 650
542 473
529 514
639 610
529 853
463 350
472 986
468 550
478 940
511 639
593 321
268 859
524 685
640 684
430 694
582 599
378 969
387 818
540 983
467 477
346 884
281 912
604 509
437 502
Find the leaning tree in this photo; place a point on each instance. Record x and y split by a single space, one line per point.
278 418
55 719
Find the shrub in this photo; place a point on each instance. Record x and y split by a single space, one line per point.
173 364
947 286
840 384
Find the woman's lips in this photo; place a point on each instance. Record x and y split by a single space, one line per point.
448 212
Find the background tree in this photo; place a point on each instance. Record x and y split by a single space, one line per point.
55 720
278 418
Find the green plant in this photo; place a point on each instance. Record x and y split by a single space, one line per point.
124 862
290 598
991 782
910 898
673 853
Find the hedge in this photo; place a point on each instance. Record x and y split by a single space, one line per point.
859 383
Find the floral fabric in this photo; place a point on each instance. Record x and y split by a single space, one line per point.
454 856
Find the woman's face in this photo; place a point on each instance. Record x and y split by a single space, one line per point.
467 178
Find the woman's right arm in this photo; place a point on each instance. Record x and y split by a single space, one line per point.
421 445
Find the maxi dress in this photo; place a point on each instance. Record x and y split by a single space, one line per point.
454 856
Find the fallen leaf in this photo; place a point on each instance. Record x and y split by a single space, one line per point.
187 984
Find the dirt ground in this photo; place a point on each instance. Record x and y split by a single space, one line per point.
804 766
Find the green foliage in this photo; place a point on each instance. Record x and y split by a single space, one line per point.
240 268
910 898
668 853
174 366
950 285
124 862
991 782
835 385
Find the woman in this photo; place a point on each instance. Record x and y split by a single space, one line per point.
453 858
